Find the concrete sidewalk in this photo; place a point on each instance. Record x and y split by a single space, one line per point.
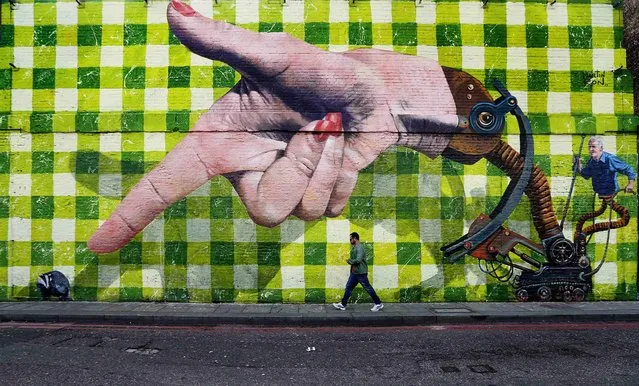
393 314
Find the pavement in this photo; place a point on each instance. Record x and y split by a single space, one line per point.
393 314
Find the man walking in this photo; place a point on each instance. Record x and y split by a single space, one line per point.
359 274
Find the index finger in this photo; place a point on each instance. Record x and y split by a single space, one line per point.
195 160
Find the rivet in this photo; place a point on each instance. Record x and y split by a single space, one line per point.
468 96
471 87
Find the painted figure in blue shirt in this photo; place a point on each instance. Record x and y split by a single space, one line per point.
602 168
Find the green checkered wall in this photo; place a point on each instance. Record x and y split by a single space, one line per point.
100 93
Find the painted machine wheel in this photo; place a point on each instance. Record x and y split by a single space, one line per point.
522 295
544 293
578 294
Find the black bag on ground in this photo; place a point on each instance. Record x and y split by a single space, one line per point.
54 283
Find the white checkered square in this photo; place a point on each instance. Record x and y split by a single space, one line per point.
429 185
471 12
198 276
111 56
429 52
338 12
19 276
383 47
110 185
204 7
431 274
63 184
513 141
560 186
157 56
62 230
152 276
293 12
601 237
245 276
603 59
154 232
473 57
201 98
65 142
558 15
247 11
66 57
426 12
385 276
156 13
384 231
337 231
522 100
558 59
112 12
21 99
110 142
338 47
108 276
198 230
560 144
475 185
67 13
473 275
23 57
336 276
430 231
292 277
515 13
19 229
154 142
607 274
603 103
110 99
203 191
602 15
381 11
292 231
66 99
558 102
23 16
20 142
384 185
609 143
244 231
156 99
199 61
19 184
517 58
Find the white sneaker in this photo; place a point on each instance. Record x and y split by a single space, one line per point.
339 306
377 307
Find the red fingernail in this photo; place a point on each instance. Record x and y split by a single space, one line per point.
183 9
335 118
321 130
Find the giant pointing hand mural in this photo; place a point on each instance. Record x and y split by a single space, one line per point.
259 132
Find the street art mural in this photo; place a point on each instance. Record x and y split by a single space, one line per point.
224 151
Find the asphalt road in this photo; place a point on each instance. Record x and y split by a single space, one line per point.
601 353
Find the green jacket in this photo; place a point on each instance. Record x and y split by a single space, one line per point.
358 259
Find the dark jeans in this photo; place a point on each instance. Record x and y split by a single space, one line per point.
361 278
